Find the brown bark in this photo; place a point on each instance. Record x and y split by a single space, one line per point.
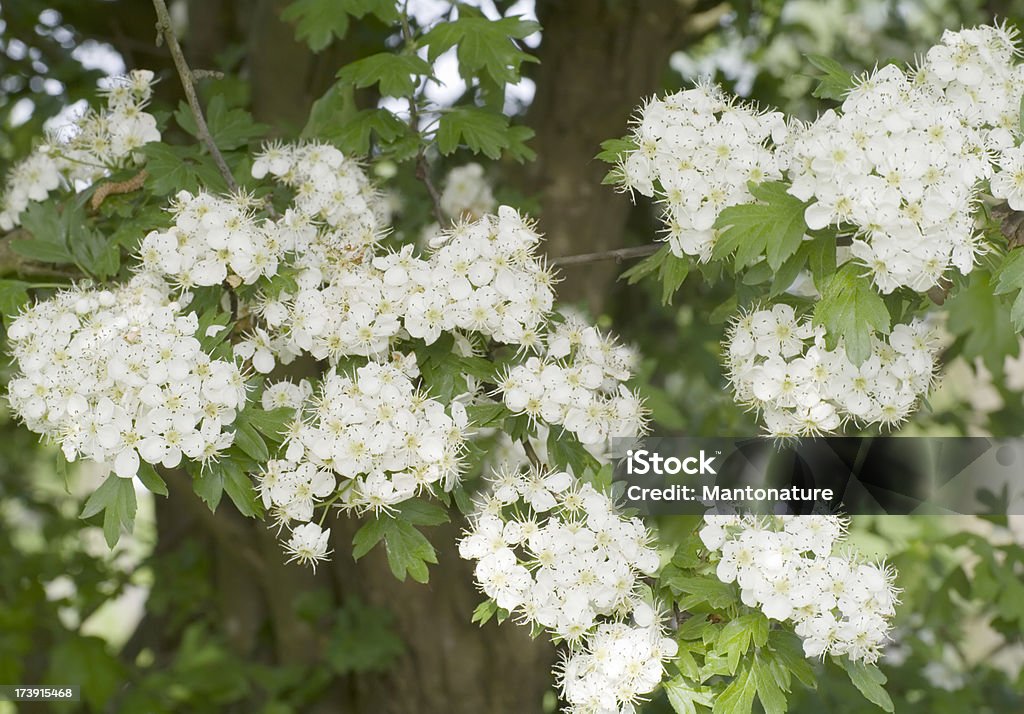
598 60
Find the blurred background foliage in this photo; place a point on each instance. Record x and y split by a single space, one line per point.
194 613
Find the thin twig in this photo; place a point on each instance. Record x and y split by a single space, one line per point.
423 174
618 255
531 454
422 165
188 83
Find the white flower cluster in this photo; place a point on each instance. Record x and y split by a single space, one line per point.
213 237
486 278
785 566
778 364
899 166
696 151
385 440
115 375
619 664
975 68
337 212
482 277
903 160
466 193
556 554
578 383
96 143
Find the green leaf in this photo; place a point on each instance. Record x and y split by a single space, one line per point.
408 551
102 497
788 652
821 259
50 230
317 22
702 589
773 227
209 485
368 535
869 679
646 267
422 513
99 255
612 150
229 128
43 221
850 309
394 73
180 168
483 44
333 109
213 317
1010 279
240 489
984 320
482 131
768 687
42 251
836 81
684 697
736 636
484 612
566 452
738 697
692 628
13 295
673 272
120 511
249 441
354 135
273 424
151 479
517 149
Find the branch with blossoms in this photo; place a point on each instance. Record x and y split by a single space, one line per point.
851 228
834 233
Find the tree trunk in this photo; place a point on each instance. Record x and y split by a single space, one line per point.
598 61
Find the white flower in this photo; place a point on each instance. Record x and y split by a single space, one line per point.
466 193
308 544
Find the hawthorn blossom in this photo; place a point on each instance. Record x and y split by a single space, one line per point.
786 567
